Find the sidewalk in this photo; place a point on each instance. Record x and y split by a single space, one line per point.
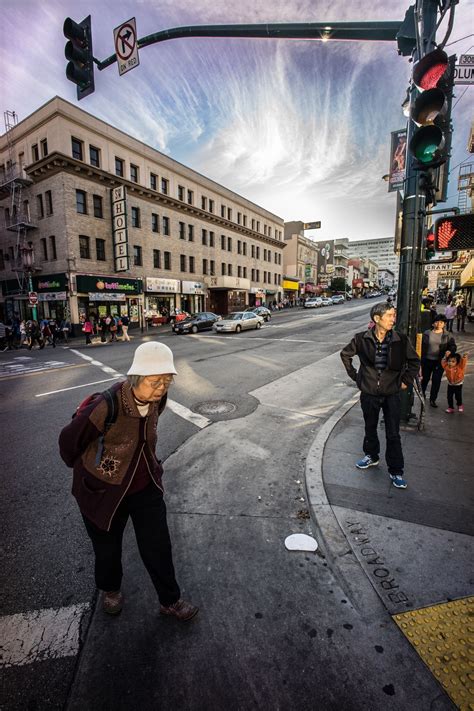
414 545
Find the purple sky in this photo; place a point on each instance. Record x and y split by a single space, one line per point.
299 127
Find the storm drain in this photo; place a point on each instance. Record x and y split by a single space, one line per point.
215 407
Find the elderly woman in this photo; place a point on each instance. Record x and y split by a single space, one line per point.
110 444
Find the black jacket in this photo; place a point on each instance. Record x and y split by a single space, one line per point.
402 366
447 344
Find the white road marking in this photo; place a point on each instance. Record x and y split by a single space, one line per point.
40 634
74 387
27 365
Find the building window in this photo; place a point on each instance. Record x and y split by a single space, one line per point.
153 179
229 214
81 202
98 211
245 272
203 203
239 271
52 247
166 225
156 259
204 266
204 236
181 193
222 241
190 233
258 226
212 268
229 269
190 197
257 252
239 218
135 216
94 156
257 275
276 258
100 249
239 247
44 249
155 222
167 260
137 255
134 173
119 167
182 262
44 147
165 184
253 223
191 265
253 275
253 250
223 268
211 205
211 239
222 210
182 230
229 244
77 150
269 231
244 217
49 202
244 245
35 152
84 247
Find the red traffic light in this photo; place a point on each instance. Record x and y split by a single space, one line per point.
455 232
430 69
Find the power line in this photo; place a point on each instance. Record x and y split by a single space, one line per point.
460 40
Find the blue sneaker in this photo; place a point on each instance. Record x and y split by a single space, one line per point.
398 481
367 462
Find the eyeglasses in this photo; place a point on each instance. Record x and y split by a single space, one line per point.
162 382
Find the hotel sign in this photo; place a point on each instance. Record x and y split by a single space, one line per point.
119 228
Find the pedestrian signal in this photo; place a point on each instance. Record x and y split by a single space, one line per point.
453 233
78 50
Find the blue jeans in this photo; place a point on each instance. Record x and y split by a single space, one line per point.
390 406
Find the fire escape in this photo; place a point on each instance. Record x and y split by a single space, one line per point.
465 187
17 214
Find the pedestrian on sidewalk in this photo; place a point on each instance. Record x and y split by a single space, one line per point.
454 366
33 332
450 312
88 329
125 325
387 362
461 313
434 344
117 476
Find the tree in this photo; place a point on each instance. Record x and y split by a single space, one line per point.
338 284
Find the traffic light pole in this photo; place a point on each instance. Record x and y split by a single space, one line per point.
413 222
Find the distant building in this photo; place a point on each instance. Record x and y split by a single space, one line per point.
300 262
378 250
366 279
386 279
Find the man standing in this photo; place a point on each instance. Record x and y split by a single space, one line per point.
387 362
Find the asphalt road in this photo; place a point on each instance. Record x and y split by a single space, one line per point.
45 556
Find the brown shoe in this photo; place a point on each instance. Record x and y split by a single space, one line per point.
182 610
112 602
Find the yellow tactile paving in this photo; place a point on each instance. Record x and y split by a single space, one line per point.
443 636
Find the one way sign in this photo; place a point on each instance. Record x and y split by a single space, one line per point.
126 46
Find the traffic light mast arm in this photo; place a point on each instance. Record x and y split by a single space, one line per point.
375 31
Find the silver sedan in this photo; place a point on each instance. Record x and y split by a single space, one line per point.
237 322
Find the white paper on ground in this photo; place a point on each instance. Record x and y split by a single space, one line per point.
300 542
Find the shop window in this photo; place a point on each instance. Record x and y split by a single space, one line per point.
204 236
98 210
100 249
52 247
81 202
44 147
135 211
211 205
190 233
156 259
77 148
134 173
167 260
223 268
44 249
39 205
155 222
204 266
182 262
211 239
35 152
165 186
166 225
181 193
94 156
190 197
84 247
153 181
182 230
191 265
137 256
119 167
229 244
212 268
49 202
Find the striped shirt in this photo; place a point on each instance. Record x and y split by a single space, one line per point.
381 351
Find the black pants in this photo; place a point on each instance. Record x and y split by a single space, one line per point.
148 513
431 369
449 324
390 405
460 321
454 391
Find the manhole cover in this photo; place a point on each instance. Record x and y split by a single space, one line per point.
216 407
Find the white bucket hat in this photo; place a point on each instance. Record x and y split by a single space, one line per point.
152 358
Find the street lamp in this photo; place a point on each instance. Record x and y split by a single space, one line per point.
28 263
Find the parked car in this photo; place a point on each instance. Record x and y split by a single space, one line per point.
201 321
313 303
260 311
238 321
337 299
326 301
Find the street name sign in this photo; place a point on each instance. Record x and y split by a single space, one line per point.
464 71
126 47
312 225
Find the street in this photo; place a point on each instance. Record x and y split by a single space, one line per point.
276 630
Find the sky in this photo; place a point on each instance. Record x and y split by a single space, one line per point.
300 127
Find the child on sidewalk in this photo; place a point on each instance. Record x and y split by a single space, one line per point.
454 365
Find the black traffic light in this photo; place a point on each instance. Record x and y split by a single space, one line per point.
80 68
453 233
433 77
430 249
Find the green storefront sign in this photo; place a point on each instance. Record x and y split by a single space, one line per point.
50 282
88 283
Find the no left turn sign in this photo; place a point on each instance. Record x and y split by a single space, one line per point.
126 46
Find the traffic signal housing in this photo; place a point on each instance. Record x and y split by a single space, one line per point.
430 249
78 52
454 233
433 77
